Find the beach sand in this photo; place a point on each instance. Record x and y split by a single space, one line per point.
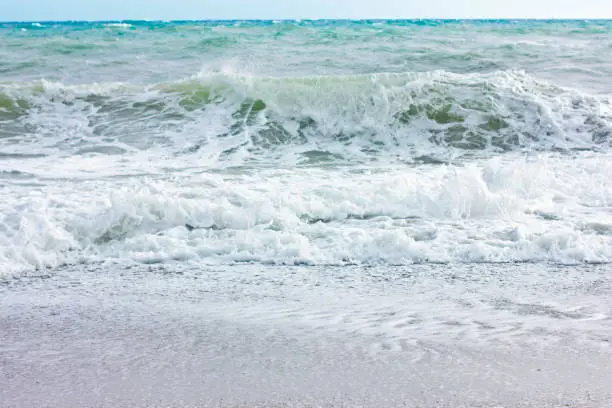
155 338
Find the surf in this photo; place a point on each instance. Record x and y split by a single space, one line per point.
350 117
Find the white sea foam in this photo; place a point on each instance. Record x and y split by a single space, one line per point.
118 25
500 210
237 117
228 167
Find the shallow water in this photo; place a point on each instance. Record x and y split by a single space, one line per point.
483 335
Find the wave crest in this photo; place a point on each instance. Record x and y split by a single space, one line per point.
385 114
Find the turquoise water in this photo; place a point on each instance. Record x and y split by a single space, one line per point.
248 141
150 52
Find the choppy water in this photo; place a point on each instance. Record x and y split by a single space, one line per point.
311 142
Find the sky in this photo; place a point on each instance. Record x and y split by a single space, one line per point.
38 10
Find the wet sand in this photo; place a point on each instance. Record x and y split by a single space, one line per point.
155 338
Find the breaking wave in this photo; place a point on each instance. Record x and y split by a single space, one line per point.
317 118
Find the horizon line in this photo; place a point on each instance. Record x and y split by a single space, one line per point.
304 19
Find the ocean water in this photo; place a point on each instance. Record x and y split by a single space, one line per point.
287 201
305 142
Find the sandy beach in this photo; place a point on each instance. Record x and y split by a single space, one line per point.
154 337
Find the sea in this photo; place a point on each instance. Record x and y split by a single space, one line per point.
306 213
